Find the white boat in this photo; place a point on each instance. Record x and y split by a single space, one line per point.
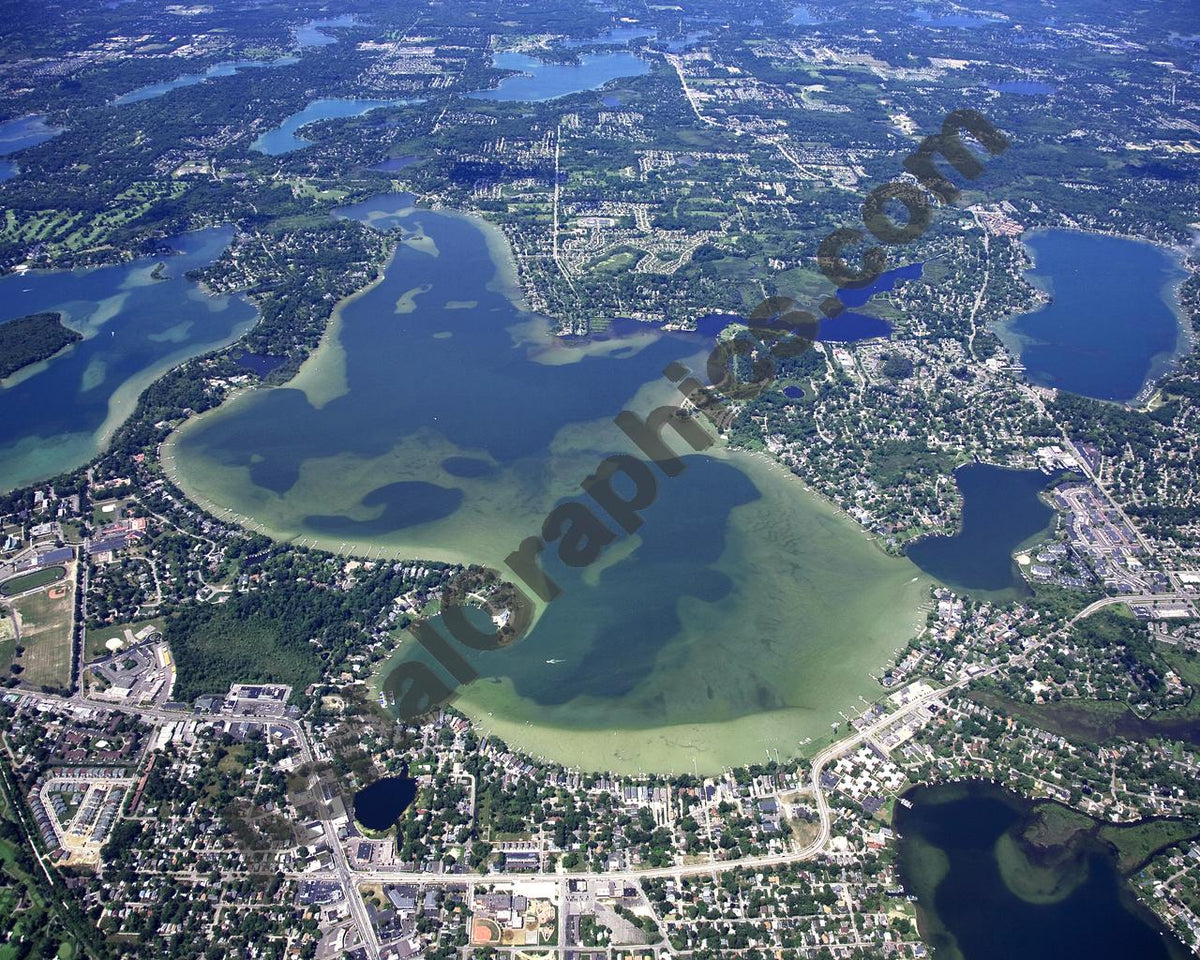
554 661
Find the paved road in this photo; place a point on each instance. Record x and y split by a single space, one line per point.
1134 598
350 878
810 850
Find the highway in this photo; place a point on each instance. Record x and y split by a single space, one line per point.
1149 598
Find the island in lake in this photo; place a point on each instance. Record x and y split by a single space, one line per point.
27 340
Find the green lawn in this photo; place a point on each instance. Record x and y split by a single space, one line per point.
102 516
30 581
45 620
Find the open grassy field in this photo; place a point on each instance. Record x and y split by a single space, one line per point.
8 640
30 581
108 511
68 230
45 624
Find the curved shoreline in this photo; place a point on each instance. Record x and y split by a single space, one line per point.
738 737
1160 365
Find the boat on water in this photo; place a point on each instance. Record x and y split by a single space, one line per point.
554 661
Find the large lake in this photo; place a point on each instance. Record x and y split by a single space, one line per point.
539 80
1112 323
439 420
957 856
57 414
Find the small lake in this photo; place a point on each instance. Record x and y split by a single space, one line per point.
260 363
21 134
539 80
394 164
378 806
1112 322
310 34
967 910
57 414
226 69
803 17
283 139
1001 512
850 326
679 44
965 21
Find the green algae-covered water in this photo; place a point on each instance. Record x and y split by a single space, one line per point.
440 421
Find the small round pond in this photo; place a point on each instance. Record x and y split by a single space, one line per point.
378 806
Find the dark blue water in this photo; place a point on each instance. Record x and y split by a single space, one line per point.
850 326
311 35
379 806
1111 323
795 393
51 419
972 909
858 296
540 81
20 134
394 164
227 69
1001 510
803 17
284 139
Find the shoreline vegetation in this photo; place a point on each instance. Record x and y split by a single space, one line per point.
1162 365
507 280
909 585
32 339
1043 853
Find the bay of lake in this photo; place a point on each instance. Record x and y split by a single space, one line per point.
1002 511
57 414
951 842
283 138
539 80
21 134
439 420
